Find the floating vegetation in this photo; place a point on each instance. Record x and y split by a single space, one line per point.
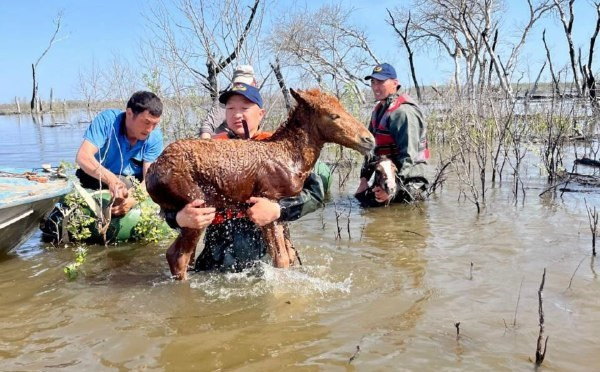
71 270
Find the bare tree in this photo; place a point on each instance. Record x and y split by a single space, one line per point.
442 24
404 35
536 11
549 59
557 122
568 28
589 82
209 34
34 66
468 31
505 71
90 85
325 46
120 80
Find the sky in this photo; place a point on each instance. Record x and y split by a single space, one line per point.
95 30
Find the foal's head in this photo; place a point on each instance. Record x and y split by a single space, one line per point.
385 176
332 122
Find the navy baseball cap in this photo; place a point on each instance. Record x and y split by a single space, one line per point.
248 91
383 71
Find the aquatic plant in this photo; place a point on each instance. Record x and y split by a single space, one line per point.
78 221
150 227
71 270
81 222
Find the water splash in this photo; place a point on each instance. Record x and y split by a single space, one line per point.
264 279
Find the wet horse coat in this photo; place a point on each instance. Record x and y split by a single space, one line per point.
225 174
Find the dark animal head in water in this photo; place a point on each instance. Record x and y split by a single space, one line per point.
385 176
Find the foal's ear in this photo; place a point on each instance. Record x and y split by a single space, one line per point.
297 96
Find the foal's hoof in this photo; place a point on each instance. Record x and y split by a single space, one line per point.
180 276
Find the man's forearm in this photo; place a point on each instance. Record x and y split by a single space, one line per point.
93 168
310 199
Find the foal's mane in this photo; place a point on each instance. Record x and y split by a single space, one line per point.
313 98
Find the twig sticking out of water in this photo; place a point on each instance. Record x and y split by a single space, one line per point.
518 300
355 355
539 354
362 230
574 272
440 177
593 220
514 324
471 272
338 234
457 325
348 224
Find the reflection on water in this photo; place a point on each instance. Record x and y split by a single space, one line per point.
27 143
395 286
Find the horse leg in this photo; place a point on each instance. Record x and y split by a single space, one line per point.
276 245
291 251
180 252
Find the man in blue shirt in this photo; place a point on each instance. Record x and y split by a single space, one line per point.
119 144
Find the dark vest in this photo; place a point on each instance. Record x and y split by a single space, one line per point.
384 142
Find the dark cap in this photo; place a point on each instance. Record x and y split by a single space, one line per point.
383 71
245 90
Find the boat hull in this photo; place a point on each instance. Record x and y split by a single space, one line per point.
18 222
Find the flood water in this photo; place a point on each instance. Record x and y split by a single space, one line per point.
395 287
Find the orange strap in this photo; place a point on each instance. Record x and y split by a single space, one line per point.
258 136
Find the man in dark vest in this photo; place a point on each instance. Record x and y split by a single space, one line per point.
400 134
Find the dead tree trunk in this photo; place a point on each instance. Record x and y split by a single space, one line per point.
540 353
34 95
50 104
35 90
18 105
589 79
215 68
537 80
284 90
456 58
213 82
554 79
500 72
568 27
491 68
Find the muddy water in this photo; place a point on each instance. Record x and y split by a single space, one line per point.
395 286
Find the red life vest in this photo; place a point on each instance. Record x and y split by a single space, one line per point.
384 142
228 214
